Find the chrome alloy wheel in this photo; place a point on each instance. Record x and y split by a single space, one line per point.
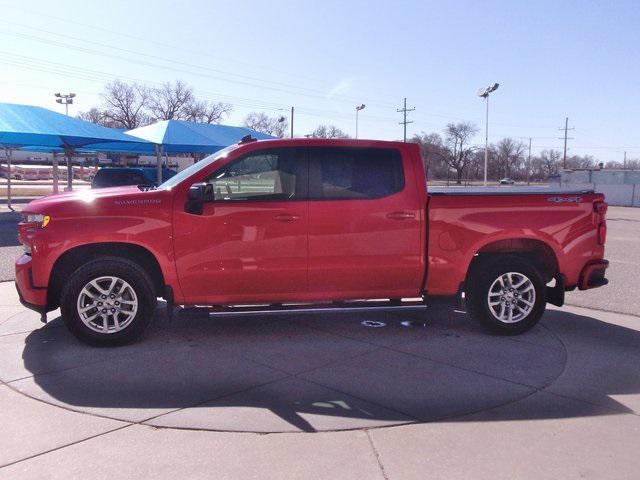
511 297
107 304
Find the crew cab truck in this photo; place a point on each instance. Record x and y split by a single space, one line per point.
305 224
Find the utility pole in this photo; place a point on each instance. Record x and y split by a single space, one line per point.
529 164
404 122
624 163
566 130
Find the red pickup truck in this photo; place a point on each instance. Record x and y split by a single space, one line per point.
305 224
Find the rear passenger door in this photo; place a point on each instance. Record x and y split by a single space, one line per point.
364 224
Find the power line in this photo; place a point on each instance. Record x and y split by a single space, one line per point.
404 110
68 71
123 34
319 94
276 86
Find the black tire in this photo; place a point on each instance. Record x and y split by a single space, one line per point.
483 276
123 269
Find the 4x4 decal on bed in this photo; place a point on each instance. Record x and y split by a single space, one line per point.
565 199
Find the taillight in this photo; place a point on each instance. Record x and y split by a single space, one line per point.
599 215
600 208
602 233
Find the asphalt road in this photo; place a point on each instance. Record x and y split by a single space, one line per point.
10 249
623 251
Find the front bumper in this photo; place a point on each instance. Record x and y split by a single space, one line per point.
592 275
31 297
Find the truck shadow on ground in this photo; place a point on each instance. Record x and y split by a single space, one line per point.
313 372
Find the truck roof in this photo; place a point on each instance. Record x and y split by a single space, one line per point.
334 142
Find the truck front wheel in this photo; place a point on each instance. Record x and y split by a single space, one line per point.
507 294
108 301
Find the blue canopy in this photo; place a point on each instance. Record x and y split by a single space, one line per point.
25 125
180 136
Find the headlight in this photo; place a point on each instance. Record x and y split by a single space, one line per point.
36 218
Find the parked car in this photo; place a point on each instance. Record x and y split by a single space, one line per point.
302 225
507 181
122 176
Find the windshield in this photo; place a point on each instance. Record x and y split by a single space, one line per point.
196 167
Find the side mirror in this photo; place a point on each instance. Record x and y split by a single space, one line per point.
199 193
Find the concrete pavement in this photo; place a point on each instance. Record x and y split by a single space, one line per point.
196 398
623 251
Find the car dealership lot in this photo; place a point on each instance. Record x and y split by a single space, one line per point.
341 400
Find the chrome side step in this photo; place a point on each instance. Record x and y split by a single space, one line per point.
284 309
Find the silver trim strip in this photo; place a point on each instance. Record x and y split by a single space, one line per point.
283 311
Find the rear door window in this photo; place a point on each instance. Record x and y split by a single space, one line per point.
354 173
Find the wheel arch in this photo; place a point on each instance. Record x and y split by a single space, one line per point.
75 257
537 251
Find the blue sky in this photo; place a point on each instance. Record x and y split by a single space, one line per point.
553 59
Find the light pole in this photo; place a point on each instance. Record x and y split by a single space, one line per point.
358 108
65 99
484 93
292 110
282 118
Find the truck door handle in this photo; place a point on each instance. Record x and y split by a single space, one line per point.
286 217
401 215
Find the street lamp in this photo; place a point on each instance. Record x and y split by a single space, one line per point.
65 99
484 93
282 119
358 108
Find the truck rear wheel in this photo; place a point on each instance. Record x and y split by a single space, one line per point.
108 302
507 294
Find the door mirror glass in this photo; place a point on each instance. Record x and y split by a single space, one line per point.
199 194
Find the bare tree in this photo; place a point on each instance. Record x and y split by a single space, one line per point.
581 161
433 152
261 122
206 112
633 164
125 105
547 163
459 152
328 131
171 101
509 153
96 116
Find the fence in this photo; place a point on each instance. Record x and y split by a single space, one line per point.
620 187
